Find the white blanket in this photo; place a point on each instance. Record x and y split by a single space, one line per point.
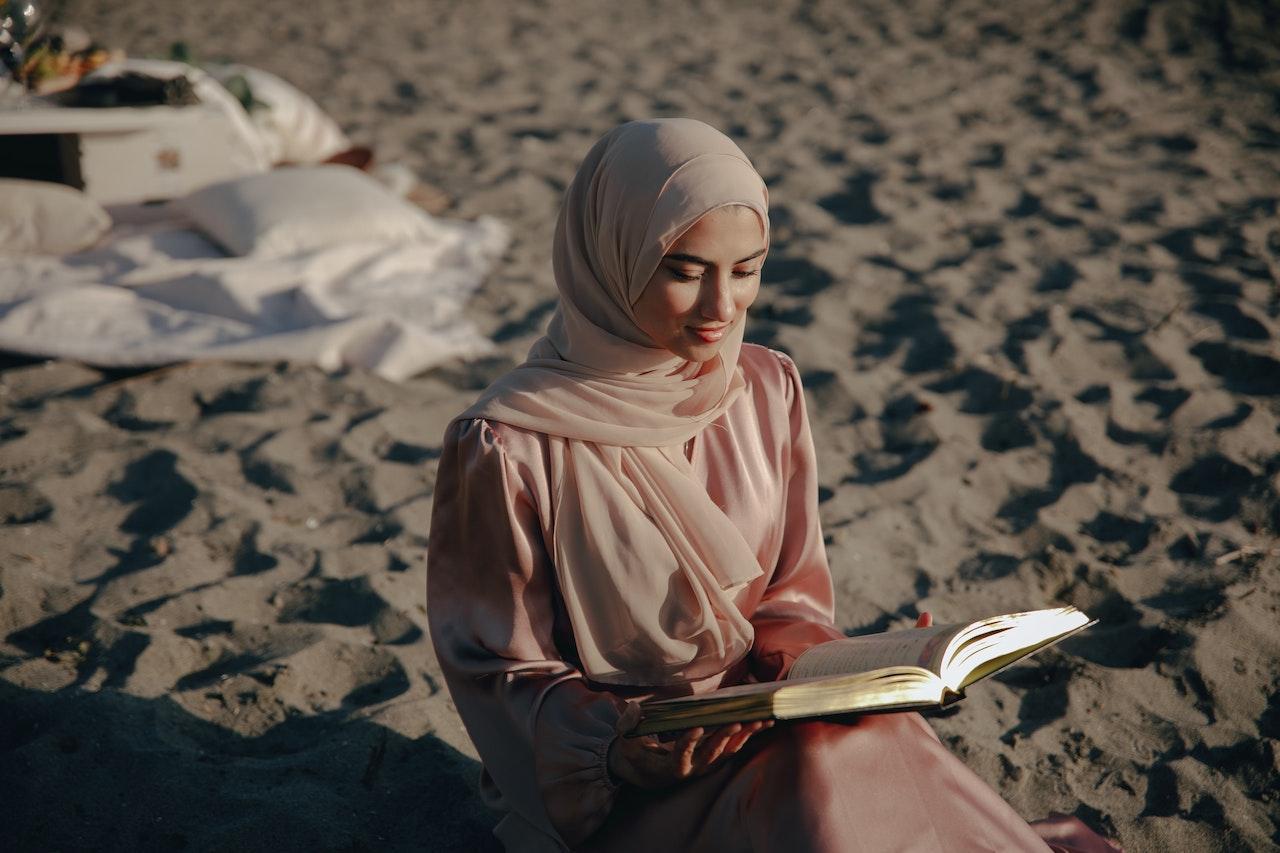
157 293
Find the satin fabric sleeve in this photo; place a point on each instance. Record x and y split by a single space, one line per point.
541 732
797 610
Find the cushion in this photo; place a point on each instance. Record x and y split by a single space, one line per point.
42 218
301 209
293 127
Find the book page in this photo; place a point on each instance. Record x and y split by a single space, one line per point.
1026 637
894 688
922 647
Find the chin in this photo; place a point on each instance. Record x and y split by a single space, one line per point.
699 352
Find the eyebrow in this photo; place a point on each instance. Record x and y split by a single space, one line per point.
694 259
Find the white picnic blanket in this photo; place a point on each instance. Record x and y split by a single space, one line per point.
157 292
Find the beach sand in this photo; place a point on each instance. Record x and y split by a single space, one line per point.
1026 256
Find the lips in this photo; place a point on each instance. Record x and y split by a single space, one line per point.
710 334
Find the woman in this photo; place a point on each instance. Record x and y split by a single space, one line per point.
633 512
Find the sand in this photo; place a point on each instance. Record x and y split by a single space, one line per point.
1026 256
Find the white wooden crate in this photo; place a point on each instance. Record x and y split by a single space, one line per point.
133 154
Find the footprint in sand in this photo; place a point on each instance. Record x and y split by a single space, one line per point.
1196 600
984 392
405 453
1117 345
245 397
1120 539
351 602
1042 685
911 324
124 414
854 205
1019 333
163 497
1057 276
1241 370
248 559
267 474
775 311
23 504
1231 420
987 567
1235 322
1069 464
1007 431
907 439
1143 419
829 393
1119 640
795 276
1212 487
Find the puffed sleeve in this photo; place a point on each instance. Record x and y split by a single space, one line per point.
541 732
797 610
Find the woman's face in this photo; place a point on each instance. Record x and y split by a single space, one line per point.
704 284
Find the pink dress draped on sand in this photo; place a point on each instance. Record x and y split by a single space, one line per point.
613 523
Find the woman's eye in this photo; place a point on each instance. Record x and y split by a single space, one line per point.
745 273
683 276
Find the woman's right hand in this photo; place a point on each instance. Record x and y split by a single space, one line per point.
648 762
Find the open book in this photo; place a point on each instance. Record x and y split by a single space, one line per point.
902 670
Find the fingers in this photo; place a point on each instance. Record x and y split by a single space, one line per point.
629 718
722 743
714 746
653 763
653 746
684 751
925 620
748 729
737 742
690 753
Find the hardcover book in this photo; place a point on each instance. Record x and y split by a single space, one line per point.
913 669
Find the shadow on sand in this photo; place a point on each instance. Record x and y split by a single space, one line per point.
111 772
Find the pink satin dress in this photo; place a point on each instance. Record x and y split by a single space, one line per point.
503 639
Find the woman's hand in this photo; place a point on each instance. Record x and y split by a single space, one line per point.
648 762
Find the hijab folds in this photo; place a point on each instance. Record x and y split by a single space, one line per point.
647 564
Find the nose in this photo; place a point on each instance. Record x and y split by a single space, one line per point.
717 298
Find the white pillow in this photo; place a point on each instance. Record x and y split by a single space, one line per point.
303 208
293 127
42 218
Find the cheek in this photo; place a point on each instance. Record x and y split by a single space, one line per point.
662 306
675 303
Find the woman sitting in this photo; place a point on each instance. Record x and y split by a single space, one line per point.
632 513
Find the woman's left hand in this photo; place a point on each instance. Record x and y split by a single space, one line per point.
648 762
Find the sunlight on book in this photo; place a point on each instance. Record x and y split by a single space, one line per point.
912 669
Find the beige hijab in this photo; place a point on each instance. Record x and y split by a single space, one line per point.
647 564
